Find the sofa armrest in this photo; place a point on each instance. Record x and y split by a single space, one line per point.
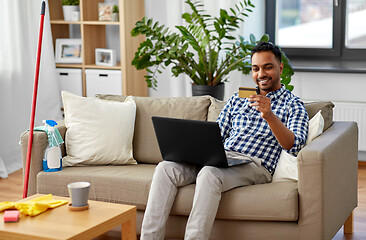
39 145
328 181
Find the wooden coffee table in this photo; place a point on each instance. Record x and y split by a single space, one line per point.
61 223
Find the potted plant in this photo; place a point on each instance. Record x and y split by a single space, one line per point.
115 13
205 49
68 7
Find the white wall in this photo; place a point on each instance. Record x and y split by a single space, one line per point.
334 87
341 87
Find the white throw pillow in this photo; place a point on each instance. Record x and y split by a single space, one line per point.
286 169
99 132
316 126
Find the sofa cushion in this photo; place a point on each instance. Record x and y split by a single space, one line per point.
131 184
327 111
214 109
266 202
98 132
127 184
145 145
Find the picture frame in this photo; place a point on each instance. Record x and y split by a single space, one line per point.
105 57
105 11
68 50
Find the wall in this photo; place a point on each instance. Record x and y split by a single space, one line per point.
335 87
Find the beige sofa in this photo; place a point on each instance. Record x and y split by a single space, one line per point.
314 208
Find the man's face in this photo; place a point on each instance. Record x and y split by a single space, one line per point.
266 71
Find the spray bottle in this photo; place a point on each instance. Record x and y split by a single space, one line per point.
52 160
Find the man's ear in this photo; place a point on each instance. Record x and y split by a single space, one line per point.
281 68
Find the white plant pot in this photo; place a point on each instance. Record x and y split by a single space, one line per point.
68 11
115 17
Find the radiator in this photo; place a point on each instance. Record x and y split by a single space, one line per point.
348 111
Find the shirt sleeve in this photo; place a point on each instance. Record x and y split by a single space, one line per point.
298 123
224 119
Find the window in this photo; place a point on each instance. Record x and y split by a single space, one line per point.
318 28
355 24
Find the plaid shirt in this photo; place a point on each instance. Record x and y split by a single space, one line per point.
244 130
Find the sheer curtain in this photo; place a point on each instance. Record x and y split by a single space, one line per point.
169 13
19 25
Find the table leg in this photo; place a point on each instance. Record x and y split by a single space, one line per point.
128 230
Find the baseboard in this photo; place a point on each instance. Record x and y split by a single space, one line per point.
362 164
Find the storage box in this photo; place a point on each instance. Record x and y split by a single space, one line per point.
70 79
103 82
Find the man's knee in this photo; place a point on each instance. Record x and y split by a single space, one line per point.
209 174
165 167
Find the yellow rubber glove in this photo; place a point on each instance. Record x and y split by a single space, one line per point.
38 205
6 205
30 209
47 200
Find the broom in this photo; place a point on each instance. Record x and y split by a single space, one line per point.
35 90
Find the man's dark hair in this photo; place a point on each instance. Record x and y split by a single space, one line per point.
267 46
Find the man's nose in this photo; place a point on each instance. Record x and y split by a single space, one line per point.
261 73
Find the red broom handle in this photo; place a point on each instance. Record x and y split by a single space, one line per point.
35 91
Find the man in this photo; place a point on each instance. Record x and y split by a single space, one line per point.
258 127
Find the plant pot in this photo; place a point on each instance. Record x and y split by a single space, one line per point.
217 91
68 11
115 17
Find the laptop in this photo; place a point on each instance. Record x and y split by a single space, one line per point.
194 142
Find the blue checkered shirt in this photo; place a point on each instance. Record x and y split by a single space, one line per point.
244 130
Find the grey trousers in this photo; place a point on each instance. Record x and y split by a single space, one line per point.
210 183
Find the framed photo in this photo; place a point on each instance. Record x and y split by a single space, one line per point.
105 11
105 57
68 50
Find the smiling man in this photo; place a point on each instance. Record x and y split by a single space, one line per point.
264 124
259 128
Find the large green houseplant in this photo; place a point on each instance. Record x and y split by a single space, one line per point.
205 49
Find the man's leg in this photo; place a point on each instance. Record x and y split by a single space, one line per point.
210 183
167 178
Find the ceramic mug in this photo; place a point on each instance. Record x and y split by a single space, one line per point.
79 193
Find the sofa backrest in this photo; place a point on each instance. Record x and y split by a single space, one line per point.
145 146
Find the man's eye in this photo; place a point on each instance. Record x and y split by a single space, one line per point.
268 68
255 69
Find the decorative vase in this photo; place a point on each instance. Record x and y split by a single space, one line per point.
68 11
217 91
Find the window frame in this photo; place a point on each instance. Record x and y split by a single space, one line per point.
339 51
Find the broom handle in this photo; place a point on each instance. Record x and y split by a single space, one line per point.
35 91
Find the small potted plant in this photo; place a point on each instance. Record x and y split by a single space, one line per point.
70 6
115 13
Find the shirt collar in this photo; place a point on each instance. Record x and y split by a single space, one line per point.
276 94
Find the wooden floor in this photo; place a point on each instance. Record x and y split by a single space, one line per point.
11 190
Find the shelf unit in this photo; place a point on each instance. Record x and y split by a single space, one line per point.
93 35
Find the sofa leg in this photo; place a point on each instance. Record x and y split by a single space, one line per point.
348 224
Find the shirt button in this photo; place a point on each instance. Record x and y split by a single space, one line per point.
251 124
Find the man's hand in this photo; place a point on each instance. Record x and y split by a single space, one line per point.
283 135
262 104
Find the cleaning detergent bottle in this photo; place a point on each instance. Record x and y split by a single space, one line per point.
52 160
